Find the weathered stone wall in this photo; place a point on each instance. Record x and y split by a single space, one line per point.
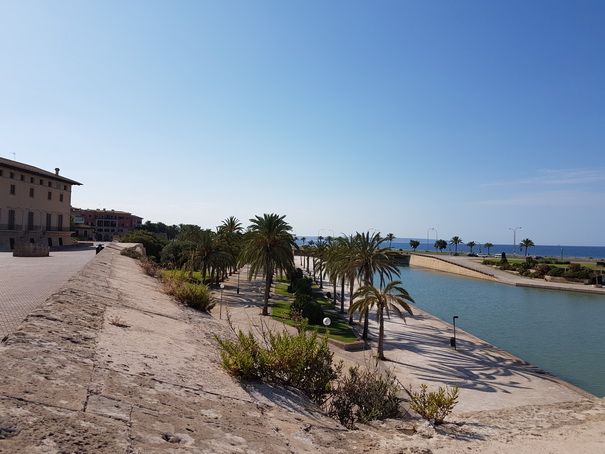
435 263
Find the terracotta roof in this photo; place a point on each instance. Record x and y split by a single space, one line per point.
15 165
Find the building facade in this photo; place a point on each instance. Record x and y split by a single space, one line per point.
103 225
34 206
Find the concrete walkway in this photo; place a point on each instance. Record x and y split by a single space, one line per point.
26 282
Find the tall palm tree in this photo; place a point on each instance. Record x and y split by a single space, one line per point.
267 247
526 243
488 246
390 237
456 240
393 298
471 245
370 258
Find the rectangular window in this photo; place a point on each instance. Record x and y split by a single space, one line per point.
30 220
11 219
12 175
50 195
1 172
22 177
31 192
12 242
60 197
31 179
50 242
41 181
50 184
60 223
13 189
49 218
65 187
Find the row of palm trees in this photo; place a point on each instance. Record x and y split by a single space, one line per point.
268 246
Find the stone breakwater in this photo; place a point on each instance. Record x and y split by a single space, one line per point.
110 364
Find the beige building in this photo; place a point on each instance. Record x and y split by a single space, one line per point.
34 206
103 225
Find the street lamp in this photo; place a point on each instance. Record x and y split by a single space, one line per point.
436 239
453 339
220 312
514 239
427 238
238 271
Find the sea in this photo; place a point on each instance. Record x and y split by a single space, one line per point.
560 251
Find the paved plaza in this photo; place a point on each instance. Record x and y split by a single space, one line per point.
26 282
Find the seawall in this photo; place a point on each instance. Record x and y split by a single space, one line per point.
439 264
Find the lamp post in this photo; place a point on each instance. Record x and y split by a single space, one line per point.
514 239
427 238
220 312
453 339
238 281
436 239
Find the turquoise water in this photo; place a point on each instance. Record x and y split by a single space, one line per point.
560 332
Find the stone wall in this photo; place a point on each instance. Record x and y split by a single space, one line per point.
436 263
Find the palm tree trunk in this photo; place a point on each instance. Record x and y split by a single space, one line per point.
268 279
381 333
366 324
342 295
351 287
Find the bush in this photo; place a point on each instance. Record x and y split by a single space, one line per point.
434 406
305 306
150 267
131 252
302 286
363 396
153 244
555 272
196 296
301 361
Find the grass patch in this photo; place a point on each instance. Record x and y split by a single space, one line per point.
339 328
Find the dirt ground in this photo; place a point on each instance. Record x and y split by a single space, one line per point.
110 364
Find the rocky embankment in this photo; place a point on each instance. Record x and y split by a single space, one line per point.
110 364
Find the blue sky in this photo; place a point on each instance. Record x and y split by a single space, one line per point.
469 117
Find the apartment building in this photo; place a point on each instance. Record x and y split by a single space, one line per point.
104 225
34 206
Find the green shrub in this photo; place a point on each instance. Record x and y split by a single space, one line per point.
243 358
305 306
301 361
196 296
555 272
577 271
153 244
434 406
364 395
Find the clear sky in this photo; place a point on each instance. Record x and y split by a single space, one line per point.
470 117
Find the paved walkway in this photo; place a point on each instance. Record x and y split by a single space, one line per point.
419 352
26 282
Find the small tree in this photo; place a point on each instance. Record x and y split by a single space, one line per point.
434 406
471 245
441 245
414 244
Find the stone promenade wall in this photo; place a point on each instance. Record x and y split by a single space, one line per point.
436 263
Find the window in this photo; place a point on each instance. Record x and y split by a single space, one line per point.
65 187
50 195
60 197
12 175
49 218
13 190
50 184
1 172
30 220
31 179
11 220
60 223
22 177
12 242
41 181
31 192
50 242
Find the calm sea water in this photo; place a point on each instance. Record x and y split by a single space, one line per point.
560 332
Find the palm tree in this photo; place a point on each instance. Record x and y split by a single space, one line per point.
267 246
341 265
390 237
526 243
456 240
369 258
488 246
393 298
471 245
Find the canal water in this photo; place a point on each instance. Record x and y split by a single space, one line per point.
560 332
